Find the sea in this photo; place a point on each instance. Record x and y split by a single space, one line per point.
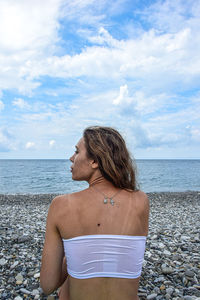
53 176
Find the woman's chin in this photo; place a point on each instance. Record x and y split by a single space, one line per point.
74 177
77 178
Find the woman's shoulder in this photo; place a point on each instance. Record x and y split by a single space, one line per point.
57 204
64 206
58 199
139 194
67 199
141 200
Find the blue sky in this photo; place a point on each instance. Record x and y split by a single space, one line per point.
66 65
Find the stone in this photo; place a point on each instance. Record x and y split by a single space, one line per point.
159 279
37 275
193 291
161 245
23 239
5 295
151 296
156 290
185 281
14 265
25 291
140 294
154 237
19 277
165 252
31 273
162 287
35 292
189 273
169 291
166 270
3 262
196 286
185 238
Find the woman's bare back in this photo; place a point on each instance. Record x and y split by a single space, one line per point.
84 213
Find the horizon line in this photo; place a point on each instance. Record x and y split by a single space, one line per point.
163 158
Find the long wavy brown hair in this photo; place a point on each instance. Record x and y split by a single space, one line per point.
107 147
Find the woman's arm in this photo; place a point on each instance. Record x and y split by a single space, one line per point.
53 269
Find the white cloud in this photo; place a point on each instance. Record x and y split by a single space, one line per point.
1 105
123 95
143 132
138 103
4 147
28 25
87 16
30 145
84 12
7 142
171 16
138 134
20 103
154 59
104 38
195 132
146 104
52 143
42 116
28 32
143 76
74 107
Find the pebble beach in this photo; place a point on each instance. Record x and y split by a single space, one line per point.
171 268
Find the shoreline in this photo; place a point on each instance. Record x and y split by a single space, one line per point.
47 197
171 268
151 192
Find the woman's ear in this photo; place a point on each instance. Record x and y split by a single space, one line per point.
94 164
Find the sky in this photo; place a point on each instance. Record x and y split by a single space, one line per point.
130 64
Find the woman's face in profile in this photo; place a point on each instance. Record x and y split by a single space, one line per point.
81 166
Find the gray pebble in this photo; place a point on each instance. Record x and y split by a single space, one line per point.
165 252
23 239
167 270
14 265
189 273
152 296
35 292
3 262
169 291
19 277
25 291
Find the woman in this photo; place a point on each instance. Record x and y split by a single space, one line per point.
101 230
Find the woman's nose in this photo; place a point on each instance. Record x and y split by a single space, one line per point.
72 158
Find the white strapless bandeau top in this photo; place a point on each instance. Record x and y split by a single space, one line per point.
105 255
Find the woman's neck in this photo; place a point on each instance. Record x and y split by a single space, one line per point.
100 180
